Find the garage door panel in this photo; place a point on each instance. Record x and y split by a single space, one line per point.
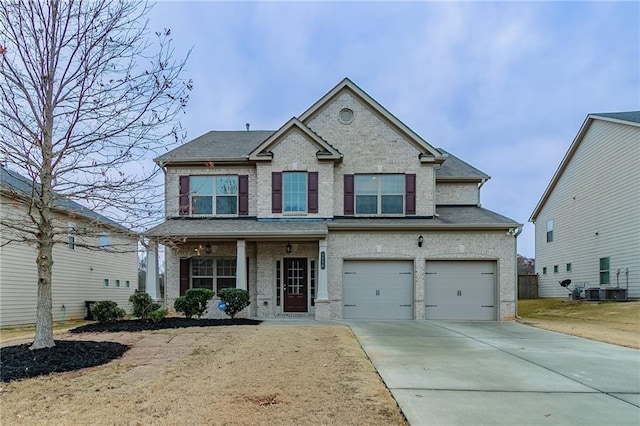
378 290
460 290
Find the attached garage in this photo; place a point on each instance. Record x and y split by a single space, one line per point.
460 290
378 289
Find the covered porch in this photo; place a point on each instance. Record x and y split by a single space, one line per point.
283 264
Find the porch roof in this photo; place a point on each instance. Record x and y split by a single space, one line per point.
240 228
449 218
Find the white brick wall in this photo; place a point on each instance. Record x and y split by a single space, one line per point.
457 193
370 145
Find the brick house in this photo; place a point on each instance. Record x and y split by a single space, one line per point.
343 212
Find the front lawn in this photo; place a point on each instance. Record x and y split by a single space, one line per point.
610 322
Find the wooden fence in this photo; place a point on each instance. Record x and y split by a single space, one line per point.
527 286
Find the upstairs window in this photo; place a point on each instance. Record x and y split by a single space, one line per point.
294 192
71 235
549 231
379 194
214 195
104 241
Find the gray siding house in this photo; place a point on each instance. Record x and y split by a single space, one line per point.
343 212
94 258
587 223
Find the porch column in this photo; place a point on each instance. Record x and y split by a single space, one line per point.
241 265
151 284
323 293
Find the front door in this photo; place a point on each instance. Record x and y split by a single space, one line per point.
295 284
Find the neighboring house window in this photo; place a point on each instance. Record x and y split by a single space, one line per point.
544 271
555 269
117 283
104 241
207 271
214 195
127 284
604 271
568 267
549 231
106 282
379 194
71 235
294 192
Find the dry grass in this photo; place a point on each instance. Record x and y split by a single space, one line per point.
240 375
29 331
610 322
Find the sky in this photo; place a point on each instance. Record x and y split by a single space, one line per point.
505 86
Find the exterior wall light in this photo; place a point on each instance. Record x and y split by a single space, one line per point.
420 240
207 249
288 248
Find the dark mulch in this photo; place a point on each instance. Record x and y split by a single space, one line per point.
18 362
139 325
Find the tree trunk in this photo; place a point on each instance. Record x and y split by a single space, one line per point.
44 316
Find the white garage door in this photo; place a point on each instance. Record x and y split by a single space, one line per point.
378 289
460 290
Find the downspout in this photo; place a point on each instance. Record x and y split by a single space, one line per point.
515 232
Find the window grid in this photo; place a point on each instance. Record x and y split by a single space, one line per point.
379 194
294 192
605 278
312 281
214 195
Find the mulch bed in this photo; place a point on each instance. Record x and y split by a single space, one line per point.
19 362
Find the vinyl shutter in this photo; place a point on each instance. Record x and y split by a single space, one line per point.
183 196
276 192
312 192
410 194
348 194
243 195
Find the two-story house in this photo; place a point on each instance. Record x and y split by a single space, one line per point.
588 219
343 212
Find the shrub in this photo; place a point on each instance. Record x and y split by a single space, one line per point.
158 315
143 305
107 311
236 300
194 302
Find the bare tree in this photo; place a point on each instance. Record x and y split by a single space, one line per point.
86 95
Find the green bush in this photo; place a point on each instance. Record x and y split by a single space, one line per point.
236 300
158 315
143 305
107 311
194 302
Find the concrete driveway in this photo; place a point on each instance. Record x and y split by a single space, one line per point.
501 373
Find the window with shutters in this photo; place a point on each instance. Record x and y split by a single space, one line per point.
379 194
213 195
294 192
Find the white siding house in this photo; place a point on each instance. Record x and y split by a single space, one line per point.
101 264
343 212
587 223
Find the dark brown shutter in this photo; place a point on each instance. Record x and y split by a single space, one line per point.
243 195
312 192
184 276
348 195
276 192
183 195
410 194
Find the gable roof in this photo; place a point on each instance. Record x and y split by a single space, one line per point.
326 151
428 153
631 118
14 185
455 170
